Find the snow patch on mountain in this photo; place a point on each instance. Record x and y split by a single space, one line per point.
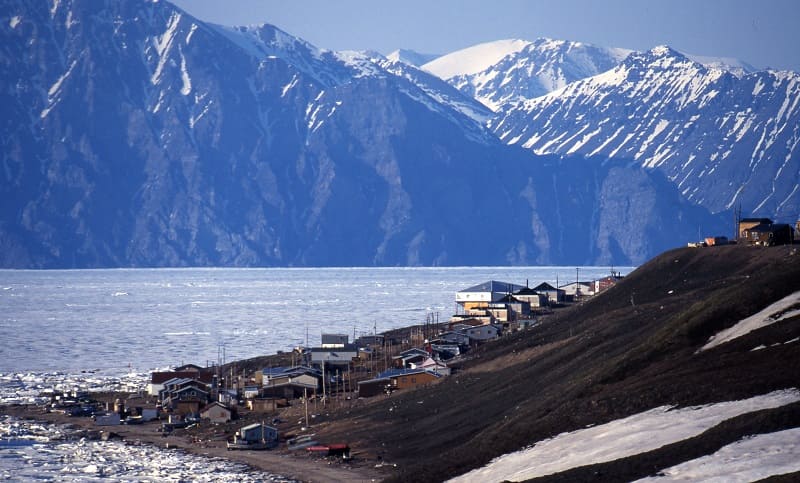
539 67
411 57
629 436
733 65
750 459
783 309
668 112
475 59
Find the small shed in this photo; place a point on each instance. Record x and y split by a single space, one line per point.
110 419
258 433
374 387
216 413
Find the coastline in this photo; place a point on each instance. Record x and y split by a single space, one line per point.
279 462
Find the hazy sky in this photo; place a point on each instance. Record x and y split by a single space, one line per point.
765 33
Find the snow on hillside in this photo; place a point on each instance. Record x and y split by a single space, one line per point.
473 59
629 436
735 66
784 308
411 57
776 453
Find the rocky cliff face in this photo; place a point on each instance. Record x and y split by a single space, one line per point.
722 140
136 135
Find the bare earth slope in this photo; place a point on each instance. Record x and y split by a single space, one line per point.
634 348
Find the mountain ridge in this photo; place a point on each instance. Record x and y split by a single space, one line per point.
664 111
137 135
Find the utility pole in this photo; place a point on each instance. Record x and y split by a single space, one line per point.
305 403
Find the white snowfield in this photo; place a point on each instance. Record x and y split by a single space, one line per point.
630 436
776 312
749 459
473 59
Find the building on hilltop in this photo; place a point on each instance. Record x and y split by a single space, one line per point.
768 234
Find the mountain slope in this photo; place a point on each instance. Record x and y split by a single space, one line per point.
634 348
724 141
500 74
411 57
136 135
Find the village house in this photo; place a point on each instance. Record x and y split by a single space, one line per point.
257 434
554 295
534 299
157 379
481 333
184 396
216 413
334 357
409 378
442 350
194 368
480 296
768 234
330 341
374 387
451 337
747 223
604 283
370 341
474 316
575 290
266 405
290 386
431 365
410 356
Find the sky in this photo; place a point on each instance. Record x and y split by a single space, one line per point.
763 33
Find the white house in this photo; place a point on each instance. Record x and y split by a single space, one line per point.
216 413
485 293
333 356
482 333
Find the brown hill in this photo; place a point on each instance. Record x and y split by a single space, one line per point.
633 348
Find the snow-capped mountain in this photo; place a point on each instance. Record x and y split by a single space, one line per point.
735 66
723 140
135 135
411 57
502 73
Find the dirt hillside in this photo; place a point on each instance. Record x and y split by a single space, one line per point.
633 348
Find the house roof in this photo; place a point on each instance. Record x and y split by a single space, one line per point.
414 350
162 377
189 367
215 403
769 227
192 388
507 299
494 286
526 291
755 220
346 348
402 372
374 380
256 425
545 287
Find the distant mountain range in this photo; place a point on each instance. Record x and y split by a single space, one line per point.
136 135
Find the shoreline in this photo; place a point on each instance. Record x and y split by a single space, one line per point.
278 462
